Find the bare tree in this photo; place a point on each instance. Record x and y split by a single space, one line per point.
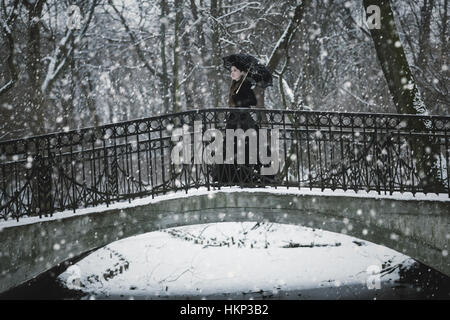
404 91
139 58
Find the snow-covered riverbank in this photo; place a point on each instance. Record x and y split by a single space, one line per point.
233 258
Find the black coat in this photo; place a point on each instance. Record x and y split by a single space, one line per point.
242 119
245 97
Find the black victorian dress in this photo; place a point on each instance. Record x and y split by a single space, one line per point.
239 173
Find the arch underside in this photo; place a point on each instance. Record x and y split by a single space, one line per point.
416 228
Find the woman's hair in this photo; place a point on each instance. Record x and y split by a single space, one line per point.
239 66
235 83
233 87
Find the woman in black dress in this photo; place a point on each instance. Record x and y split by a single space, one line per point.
240 95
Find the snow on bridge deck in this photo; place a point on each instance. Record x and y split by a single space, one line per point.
203 191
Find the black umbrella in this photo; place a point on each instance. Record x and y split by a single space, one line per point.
257 73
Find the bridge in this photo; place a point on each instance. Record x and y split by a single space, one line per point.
379 177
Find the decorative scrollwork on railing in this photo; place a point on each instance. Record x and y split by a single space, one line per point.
328 150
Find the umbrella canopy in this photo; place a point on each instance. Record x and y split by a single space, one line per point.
257 72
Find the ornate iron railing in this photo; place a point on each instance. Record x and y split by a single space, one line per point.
68 170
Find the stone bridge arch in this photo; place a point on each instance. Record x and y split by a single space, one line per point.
417 228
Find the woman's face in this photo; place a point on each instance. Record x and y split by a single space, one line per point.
236 74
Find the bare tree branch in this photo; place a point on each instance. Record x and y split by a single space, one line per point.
283 43
134 41
63 51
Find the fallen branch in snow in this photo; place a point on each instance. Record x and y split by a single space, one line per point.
176 278
240 241
311 245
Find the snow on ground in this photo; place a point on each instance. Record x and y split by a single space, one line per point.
230 257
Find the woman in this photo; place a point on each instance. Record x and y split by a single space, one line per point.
240 95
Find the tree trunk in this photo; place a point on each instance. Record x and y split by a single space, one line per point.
215 59
176 48
201 45
424 48
7 31
41 199
188 86
199 27
34 67
280 50
424 33
68 104
405 93
87 91
307 63
165 76
444 38
393 61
